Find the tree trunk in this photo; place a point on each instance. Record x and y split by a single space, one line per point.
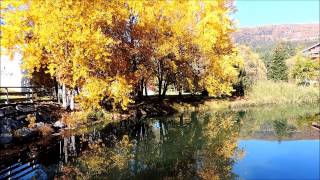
56 89
181 120
72 100
160 78
140 91
146 88
165 88
64 97
161 132
160 87
68 98
58 93
180 91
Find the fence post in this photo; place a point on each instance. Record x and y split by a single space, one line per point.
31 94
7 102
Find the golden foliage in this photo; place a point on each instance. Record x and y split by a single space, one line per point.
101 159
222 129
105 48
253 65
32 120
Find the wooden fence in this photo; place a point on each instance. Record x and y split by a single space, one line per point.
26 94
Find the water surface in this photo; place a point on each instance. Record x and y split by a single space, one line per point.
290 159
258 143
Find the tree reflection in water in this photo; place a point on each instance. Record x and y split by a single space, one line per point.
195 145
282 128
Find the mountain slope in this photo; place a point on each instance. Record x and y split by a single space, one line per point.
265 37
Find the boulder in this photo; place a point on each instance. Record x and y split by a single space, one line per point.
25 108
16 124
21 117
38 125
5 134
12 123
23 132
8 110
5 138
133 113
141 112
5 129
43 116
1 113
59 124
4 121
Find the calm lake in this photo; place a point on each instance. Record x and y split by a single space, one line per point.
256 143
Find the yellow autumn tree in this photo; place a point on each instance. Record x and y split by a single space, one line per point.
111 50
71 40
192 37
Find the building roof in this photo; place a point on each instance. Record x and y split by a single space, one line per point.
313 46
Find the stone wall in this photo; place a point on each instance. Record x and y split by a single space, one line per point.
13 118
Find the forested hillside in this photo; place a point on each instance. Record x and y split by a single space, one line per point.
264 38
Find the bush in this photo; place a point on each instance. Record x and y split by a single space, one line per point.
253 70
302 68
32 120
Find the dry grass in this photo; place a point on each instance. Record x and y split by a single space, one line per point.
269 92
45 130
262 93
74 119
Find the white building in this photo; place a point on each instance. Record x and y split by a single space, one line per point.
313 51
11 74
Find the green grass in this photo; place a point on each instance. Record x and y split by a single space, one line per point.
263 93
270 92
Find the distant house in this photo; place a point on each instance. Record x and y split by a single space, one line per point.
313 51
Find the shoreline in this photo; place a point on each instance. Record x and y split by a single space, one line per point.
37 143
62 120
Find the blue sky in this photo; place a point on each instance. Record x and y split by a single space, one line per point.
264 12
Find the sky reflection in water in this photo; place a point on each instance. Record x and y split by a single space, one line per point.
296 159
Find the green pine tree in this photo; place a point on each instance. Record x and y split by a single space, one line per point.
277 68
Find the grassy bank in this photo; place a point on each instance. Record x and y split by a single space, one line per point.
261 94
269 92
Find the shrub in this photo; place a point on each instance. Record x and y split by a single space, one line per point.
32 120
45 130
253 70
302 68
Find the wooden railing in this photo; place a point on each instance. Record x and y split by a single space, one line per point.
19 169
25 94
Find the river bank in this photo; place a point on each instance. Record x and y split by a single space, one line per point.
26 121
20 123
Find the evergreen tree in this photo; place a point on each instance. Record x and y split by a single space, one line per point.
277 68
